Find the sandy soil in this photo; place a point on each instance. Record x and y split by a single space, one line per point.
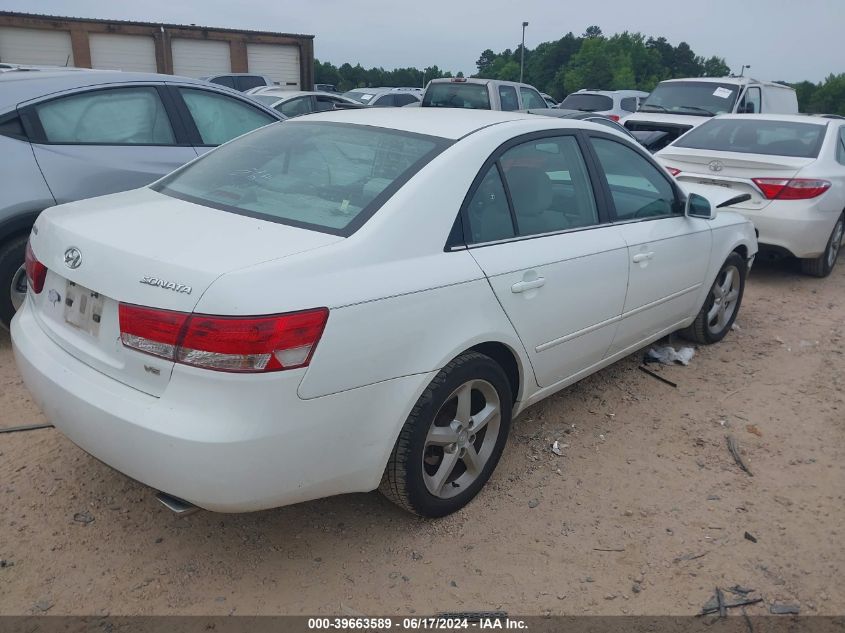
646 471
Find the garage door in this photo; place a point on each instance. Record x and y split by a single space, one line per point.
200 58
35 46
280 63
123 52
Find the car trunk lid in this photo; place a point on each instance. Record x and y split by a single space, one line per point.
145 248
731 170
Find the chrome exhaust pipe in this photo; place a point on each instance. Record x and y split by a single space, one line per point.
177 506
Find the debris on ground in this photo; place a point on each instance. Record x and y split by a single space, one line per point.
784 609
739 590
689 556
668 355
752 428
750 537
83 517
557 448
6 563
718 604
733 447
608 549
533 503
28 427
658 376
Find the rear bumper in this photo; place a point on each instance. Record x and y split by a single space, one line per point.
223 442
791 226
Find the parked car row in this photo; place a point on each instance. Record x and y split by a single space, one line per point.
303 339
292 332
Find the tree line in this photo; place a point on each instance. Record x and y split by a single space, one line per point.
591 60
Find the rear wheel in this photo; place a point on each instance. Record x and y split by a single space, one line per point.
719 311
12 278
452 440
822 265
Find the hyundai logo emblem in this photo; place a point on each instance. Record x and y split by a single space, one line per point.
73 257
716 165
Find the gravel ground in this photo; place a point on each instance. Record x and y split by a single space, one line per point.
644 513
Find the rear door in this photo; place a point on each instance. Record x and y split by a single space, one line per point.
105 140
212 118
536 227
668 252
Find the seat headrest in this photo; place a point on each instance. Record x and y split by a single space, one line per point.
531 190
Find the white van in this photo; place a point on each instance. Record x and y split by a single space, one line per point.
676 106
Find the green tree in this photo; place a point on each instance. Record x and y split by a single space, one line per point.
716 67
593 32
485 61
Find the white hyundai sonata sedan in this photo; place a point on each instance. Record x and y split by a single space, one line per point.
791 166
360 300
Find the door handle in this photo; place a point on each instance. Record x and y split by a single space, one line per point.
522 286
641 257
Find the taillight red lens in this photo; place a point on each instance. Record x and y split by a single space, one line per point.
791 189
613 117
36 272
673 170
237 344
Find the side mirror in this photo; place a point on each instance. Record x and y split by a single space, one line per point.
699 207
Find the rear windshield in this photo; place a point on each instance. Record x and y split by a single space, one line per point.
457 95
587 103
774 138
696 98
329 177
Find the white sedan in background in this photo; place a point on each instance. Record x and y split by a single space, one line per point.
360 300
793 168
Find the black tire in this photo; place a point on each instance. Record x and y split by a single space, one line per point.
12 255
702 330
403 480
822 265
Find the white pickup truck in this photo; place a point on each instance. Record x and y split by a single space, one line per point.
481 94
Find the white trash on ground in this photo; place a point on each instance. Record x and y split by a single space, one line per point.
668 355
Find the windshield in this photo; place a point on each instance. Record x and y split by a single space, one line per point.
330 177
698 98
457 95
773 138
587 102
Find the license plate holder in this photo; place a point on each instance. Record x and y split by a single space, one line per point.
83 308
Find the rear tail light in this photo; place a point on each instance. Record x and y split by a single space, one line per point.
224 343
791 189
673 170
613 117
36 272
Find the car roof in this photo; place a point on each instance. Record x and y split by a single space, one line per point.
478 80
740 81
588 91
16 88
450 123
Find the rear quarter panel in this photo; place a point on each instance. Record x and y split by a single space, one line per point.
21 183
731 232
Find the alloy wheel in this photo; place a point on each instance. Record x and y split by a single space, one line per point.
18 289
461 438
725 292
835 243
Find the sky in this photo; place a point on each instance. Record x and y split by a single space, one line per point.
781 39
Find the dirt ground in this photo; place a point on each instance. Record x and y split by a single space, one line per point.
645 470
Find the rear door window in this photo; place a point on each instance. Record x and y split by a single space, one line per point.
549 186
629 104
219 117
328 177
117 116
508 98
227 81
384 101
531 99
840 146
488 212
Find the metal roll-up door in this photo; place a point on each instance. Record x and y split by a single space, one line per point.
200 58
123 52
35 46
277 61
